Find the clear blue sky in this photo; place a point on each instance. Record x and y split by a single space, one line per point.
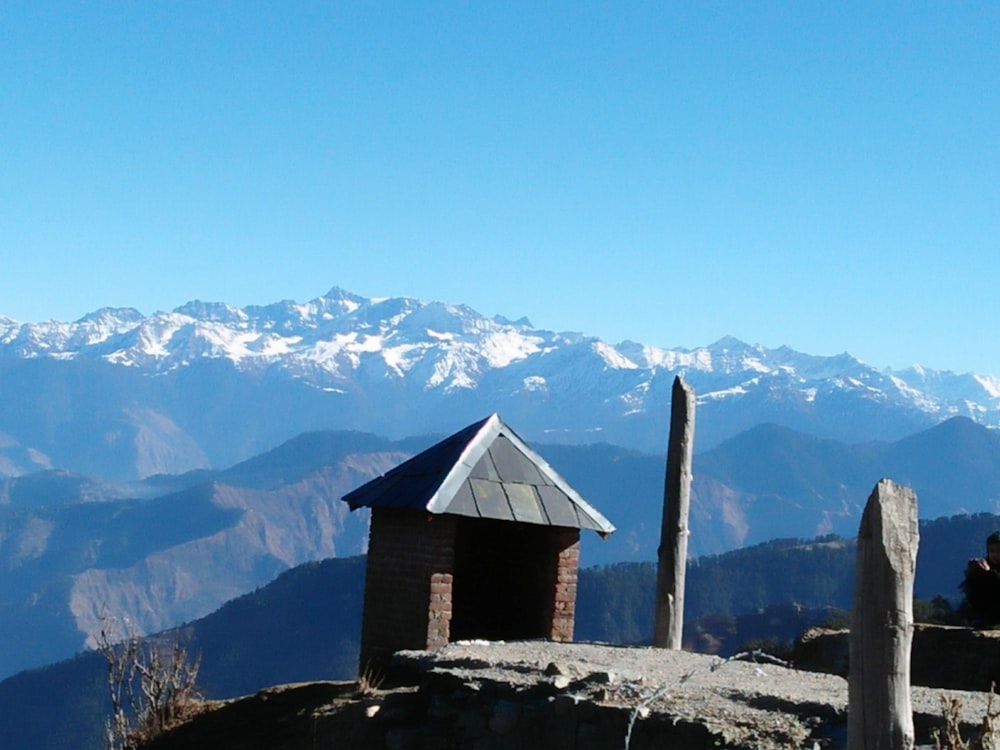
822 175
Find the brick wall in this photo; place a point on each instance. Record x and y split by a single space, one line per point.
566 543
439 611
410 577
408 584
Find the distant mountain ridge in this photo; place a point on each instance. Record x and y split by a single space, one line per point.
209 384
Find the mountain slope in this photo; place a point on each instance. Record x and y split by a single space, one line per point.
971 456
173 557
791 482
303 626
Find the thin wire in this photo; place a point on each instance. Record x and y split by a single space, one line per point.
754 656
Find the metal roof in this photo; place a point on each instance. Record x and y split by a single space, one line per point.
483 471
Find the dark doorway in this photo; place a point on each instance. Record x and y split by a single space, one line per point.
504 580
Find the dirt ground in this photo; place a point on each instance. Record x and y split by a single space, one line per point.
756 702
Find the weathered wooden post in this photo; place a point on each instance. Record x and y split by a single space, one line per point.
878 708
672 554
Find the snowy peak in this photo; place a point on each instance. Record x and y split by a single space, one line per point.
417 351
214 312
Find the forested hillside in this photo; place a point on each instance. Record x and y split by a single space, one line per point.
615 602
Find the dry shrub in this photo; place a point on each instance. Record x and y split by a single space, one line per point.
152 686
369 681
950 736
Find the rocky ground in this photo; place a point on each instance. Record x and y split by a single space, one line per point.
527 695
741 703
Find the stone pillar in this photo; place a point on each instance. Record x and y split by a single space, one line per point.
672 554
879 714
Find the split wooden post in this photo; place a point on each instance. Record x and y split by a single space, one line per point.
672 554
879 714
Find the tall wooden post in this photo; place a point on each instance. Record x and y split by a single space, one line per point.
672 554
878 708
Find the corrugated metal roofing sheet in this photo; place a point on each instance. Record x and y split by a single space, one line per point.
485 470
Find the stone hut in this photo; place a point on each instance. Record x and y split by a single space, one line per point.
476 537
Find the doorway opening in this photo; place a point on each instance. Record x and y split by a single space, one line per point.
504 580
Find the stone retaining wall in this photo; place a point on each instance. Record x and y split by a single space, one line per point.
942 656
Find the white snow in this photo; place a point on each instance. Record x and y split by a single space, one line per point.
635 400
534 383
449 371
503 347
328 341
990 384
723 393
919 399
272 346
396 357
612 357
438 336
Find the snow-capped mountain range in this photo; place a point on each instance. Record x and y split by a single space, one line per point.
209 383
